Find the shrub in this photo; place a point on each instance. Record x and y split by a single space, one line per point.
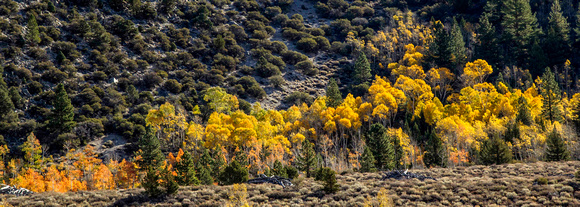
172 86
578 176
541 181
307 44
304 65
328 177
277 81
272 11
278 47
291 171
297 98
293 57
266 69
323 43
233 173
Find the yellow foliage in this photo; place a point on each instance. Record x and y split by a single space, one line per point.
475 72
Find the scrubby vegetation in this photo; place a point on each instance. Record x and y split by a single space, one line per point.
504 185
126 94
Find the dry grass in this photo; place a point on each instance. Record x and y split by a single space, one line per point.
503 185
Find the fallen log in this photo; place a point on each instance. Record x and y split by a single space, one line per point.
399 175
276 180
13 190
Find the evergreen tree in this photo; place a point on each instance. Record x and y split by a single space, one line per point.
488 48
33 36
15 96
167 6
333 94
151 155
6 105
169 182
512 132
204 176
151 159
233 173
368 161
217 163
306 159
132 94
62 119
435 151
186 172
381 147
362 69
202 18
457 45
520 27
558 36
50 7
524 114
279 170
328 176
440 51
60 57
557 149
151 183
551 96
495 151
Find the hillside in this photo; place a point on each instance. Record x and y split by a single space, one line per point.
499 185
114 94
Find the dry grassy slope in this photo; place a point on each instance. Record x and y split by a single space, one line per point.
503 185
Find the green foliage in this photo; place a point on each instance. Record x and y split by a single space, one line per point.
541 180
440 50
62 118
556 148
495 151
151 155
328 177
306 159
558 36
362 69
368 161
381 147
169 183
204 176
233 173
307 44
435 151
33 35
6 105
151 184
291 171
186 170
457 44
333 94
297 98
524 114
279 170
520 27
551 94
577 175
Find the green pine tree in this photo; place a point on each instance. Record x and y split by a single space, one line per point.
151 184
217 163
6 105
169 183
168 6
50 7
524 114
435 151
558 36
186 170
333 94
557 149
132 94
440 50
368 161
520 27
328 177
204 176
233 173
362 69
307 159
512 132
62 120
457 44
151 155
495 151
15 97
279 170
381 147
33 36
488 47
551 93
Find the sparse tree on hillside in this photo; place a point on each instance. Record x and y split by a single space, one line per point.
557 149
333 94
